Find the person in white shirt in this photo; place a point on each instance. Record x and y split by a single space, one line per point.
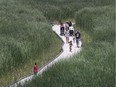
71 30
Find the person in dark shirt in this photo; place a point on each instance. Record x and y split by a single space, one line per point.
77 36
70 23
61 29
66 25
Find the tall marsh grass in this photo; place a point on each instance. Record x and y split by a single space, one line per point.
25 37
94 21
95 65
62 9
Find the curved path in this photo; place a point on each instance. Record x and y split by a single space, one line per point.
63 55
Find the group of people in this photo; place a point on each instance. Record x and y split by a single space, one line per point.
65 27
67 30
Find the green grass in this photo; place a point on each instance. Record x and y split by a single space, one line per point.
25 38
63 9
95 65
24 29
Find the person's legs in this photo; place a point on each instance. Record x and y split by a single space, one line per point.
67 39
69 32
60 31
74 39
35 74
70 48
77 41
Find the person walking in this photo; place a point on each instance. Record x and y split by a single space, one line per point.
77 36
35 69
66 25
74 37
70 46
71 30
70 23
61 29
67 35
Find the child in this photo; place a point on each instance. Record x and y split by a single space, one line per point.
70 46
35 69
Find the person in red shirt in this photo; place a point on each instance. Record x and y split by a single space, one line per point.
35 69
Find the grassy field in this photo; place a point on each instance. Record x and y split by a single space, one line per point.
25 38
95 65
63 9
